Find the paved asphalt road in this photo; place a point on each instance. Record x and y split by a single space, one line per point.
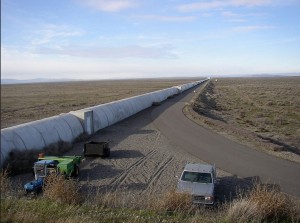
227 155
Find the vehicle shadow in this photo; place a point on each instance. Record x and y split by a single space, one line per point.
125 154
100 171
229 188
233 187
135 124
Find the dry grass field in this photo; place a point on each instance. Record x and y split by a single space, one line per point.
63 201
21 103
265 111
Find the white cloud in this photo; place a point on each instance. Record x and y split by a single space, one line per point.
231 14
130 51
51 32
12 52
250 3
88 68
200 6
168 18
235 17
218 4
251 28
109 5
26 66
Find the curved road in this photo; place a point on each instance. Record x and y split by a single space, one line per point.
227 155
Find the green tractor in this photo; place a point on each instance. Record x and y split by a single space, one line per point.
65 165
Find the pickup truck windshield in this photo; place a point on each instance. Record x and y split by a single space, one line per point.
196 177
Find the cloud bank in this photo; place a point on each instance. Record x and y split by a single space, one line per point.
109 5
130 51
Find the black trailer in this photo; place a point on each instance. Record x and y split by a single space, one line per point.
96 149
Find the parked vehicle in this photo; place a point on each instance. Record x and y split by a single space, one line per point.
65 165
198 180
96 149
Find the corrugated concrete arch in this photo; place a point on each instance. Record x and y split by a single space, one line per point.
110 113
40 134
67 127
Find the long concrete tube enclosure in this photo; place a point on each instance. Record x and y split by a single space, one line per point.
38 135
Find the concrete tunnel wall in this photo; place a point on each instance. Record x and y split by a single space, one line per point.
108 114
40 134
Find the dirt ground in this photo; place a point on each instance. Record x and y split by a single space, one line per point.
143 162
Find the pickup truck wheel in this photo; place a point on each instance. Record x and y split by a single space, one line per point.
76 171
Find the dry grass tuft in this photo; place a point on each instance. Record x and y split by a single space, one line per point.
271 202
109 200
118 199
170 202
62 190
263 204
174 201
5 184
243 210
260 205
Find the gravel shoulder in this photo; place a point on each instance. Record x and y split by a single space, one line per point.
143 162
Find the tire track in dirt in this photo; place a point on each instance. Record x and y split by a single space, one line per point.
120 179
157 173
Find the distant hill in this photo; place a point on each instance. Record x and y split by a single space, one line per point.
46 80
258 75
273 75
37 80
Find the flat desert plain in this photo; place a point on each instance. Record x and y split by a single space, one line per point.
21 103
262 112
143 161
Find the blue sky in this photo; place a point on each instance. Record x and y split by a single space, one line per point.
101 39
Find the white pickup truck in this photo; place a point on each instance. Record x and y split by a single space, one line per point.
198 180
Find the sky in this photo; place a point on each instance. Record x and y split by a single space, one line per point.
108 39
